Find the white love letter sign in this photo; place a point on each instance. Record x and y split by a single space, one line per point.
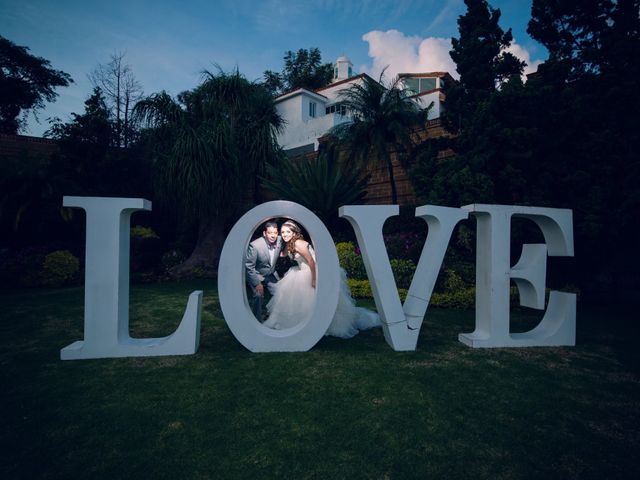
106 311
401 323
493 275
106 289
232 291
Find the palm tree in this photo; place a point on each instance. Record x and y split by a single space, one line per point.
385 120
321 184
211 143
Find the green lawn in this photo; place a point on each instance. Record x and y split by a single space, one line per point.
346 409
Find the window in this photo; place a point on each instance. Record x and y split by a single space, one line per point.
413 85
427 84
350 72
312 109
419 85
338 108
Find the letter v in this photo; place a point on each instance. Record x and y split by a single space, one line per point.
401 324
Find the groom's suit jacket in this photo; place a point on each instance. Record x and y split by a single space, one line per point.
258 260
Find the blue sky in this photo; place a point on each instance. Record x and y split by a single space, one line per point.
168 43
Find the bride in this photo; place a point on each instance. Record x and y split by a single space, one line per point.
294 298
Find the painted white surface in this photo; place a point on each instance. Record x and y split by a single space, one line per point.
401 323
310 131
231 282
106 313
342 64
494 273
332 91
106 301
300 129
425 100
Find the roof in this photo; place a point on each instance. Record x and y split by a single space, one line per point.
346 80
427 75
299 91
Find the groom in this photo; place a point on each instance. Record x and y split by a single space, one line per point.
260 263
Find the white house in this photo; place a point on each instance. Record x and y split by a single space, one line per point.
310 114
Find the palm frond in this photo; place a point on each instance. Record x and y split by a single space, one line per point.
322 184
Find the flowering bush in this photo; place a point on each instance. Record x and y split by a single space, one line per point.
407 246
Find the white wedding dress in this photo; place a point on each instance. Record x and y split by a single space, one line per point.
295 298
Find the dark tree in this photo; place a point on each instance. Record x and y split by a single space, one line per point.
93 126
206 164
384 125
26 83
480 60
321 184
572 31
486 166
564 139
121 91
589 89
91 158
86 162
303 69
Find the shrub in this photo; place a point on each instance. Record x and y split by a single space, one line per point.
402 292
171 259
59 268
22 267
351 261
143 233
146 250
344 248
453 282
404 245
464 298
360 288
403 271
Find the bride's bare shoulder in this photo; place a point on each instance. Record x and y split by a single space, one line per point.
301 244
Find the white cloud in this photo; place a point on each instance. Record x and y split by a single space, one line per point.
521 53
405 54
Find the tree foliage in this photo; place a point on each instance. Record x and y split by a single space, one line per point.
481 62
210 144
384 122
26 83
90 157
565 138
121 91
321 184
302 69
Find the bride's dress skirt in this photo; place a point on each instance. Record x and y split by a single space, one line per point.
294 301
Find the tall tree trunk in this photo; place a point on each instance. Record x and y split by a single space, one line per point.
126 120
205 257
392 179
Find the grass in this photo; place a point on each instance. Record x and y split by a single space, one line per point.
346 409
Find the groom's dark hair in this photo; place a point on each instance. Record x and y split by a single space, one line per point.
270 223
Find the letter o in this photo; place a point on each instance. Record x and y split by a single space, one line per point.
232 291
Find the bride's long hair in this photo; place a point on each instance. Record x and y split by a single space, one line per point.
297 234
